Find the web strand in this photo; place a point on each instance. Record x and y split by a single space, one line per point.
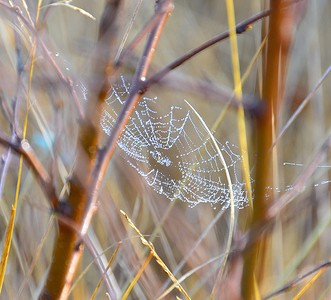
174 155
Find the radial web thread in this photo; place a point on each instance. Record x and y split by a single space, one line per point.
173 153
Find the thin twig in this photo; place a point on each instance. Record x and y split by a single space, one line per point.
17 11
301 180
215 93
67 80
127 109
248 239
240 28
155 19
9 114
297 280
303 105
93 251
24 148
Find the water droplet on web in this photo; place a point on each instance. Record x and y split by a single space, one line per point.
173 153
176 194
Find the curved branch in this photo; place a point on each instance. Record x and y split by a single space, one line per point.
68 246
105 154
22 147
240 28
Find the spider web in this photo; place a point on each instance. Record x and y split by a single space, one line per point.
173 153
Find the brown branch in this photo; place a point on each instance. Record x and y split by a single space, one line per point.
135 93
85 183
296 281
93 251
22 147
68 247
240 28
272 94
154 20
252 236
299 184
215 93
253 264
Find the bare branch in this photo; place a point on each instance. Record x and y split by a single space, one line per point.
66 80
23 148
127 109
155 19
321 267
240 28
68 247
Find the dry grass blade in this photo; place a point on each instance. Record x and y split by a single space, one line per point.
303 104
6 246
156 256
232 212
309 284
111 260
136 278
10 228
190 273
238 95
65 174
73 7
319 270
37 256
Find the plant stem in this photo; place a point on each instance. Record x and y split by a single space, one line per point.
240 28
68 246
127 109
272 93
89 171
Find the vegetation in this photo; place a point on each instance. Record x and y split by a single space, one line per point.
81 215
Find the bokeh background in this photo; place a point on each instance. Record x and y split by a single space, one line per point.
191 241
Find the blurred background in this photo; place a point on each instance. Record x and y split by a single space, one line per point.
190 240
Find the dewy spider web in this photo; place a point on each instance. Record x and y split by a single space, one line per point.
173 153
